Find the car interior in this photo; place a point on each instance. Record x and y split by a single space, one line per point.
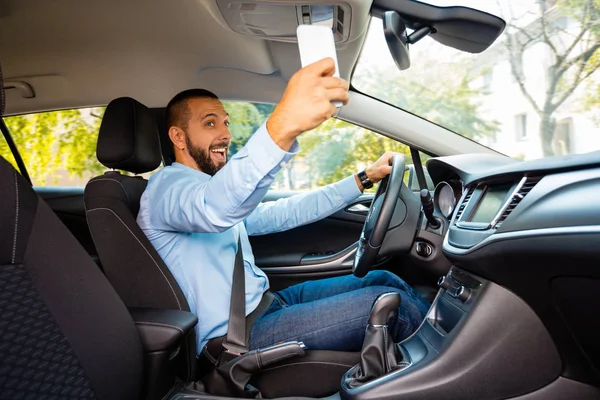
506 250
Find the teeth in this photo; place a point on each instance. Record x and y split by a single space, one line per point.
221 150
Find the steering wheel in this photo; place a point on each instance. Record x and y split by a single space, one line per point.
379 217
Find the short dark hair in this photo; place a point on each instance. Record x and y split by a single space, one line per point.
178 113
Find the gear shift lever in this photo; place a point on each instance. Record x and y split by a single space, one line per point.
384 307
379 354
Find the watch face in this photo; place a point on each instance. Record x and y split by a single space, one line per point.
364 180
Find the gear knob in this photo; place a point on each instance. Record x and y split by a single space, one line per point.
384 307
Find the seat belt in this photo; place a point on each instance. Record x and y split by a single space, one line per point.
236 342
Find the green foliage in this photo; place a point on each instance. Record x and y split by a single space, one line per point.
337 149
453 105
245 119
332 151
52 143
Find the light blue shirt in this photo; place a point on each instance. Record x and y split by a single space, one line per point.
194 220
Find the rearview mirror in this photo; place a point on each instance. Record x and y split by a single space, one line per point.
396 38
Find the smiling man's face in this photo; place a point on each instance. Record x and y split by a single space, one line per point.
207 136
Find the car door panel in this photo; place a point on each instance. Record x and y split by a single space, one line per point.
321 249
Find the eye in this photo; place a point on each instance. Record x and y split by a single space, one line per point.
210 123
227 123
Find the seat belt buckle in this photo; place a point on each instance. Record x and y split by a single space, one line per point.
231 351
234 349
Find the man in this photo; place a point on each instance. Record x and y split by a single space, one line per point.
194 211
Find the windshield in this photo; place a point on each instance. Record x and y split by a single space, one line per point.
534 93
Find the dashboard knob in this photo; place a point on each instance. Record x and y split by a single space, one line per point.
443 282
462 293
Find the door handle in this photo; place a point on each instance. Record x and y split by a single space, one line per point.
358 208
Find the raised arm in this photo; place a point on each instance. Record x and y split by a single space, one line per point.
218 203
220 194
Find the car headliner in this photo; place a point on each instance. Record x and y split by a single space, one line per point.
82 53
86 53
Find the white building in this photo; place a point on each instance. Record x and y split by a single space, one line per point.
503 100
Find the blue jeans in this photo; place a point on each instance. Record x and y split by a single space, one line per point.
332 313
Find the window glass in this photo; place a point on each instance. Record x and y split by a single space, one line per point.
6 153
543 69
59 147
334 150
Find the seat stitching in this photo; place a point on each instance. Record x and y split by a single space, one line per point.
113 180
160 324
308 362
14 252
144 247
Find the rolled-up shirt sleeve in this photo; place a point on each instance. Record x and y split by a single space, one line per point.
218 203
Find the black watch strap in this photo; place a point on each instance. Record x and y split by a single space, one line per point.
364 180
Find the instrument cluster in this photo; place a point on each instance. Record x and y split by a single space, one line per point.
446 196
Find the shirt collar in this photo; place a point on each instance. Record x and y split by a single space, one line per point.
187 169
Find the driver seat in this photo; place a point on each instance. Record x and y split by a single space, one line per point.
129 140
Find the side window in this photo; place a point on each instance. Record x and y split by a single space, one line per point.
334 150
6 153
59 147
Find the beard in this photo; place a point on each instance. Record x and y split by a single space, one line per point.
202 157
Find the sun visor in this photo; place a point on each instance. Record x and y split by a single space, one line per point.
278 21
462 28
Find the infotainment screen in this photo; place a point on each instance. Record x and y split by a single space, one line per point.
490 204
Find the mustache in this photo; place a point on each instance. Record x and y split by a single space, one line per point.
224 143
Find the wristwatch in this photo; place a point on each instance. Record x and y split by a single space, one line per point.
364 180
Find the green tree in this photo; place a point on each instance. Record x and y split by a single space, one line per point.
575 55
454 104
245 119
50 142
336 149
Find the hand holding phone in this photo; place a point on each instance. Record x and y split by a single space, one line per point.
315 43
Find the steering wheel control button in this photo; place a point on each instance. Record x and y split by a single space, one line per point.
424 249
443 282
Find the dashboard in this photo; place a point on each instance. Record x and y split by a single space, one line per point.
532 227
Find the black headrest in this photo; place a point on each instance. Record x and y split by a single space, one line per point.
128 138
2 99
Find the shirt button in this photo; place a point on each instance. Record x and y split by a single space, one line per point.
282 164
248 186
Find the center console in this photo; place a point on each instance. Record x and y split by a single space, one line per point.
468 347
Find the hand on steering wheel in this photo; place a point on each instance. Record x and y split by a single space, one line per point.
379 217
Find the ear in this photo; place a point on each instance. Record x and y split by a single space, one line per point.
177 136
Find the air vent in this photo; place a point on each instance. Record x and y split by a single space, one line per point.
464 203
528 184
248 7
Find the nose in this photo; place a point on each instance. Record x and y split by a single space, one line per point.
224 133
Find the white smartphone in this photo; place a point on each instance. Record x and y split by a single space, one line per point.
315 43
